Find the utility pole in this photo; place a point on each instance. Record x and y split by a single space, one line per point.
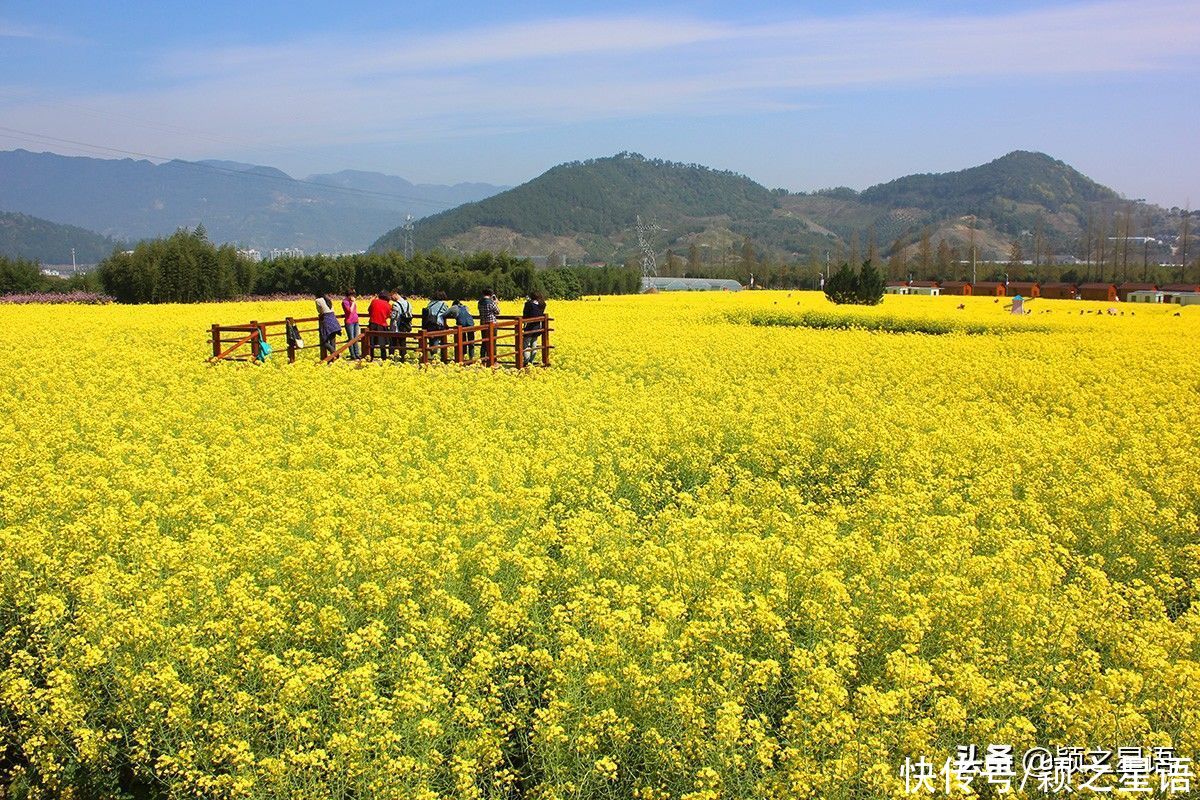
72 260
649 262
408 237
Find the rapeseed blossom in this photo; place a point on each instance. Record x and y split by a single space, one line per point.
713 552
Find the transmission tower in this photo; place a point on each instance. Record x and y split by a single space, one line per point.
644 232
408 237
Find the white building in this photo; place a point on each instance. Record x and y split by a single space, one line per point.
1187 298
1146 296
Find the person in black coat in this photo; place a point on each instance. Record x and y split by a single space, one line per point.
535 306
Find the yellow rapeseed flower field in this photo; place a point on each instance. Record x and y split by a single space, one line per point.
710 553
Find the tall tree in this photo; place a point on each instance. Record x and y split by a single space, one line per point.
1039 246
1089 229
925 254
898 260
693 262
945 265
749 258
1015 257
1126 230
972 242
1185 235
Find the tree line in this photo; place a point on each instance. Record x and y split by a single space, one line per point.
185 267
22 276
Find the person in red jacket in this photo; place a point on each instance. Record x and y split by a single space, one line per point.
379 314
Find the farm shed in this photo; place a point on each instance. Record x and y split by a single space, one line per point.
1027 289
1186 298
929 288
1127 288
1106 292
1059 291
989 289
1172 290
1144 296
896 288
963 288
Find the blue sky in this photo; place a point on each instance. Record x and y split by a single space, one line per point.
798 95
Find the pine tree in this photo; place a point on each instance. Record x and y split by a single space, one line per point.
842 286
870 285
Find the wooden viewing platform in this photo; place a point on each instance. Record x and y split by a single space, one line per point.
497 344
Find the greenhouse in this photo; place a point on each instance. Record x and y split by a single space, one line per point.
689 285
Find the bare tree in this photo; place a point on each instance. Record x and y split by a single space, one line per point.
1184 236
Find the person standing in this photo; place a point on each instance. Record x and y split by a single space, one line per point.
350 317
489 310
489 314
328 326
434 319
379 314
401 322
535 306
462 318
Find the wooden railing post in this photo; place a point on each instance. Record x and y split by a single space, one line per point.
491 344
290 326
216 340
458 350
254 343
520 342
423 346
545 341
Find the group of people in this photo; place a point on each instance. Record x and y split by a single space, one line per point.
393 312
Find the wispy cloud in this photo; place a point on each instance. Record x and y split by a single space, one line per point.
400 86
11 30
17 30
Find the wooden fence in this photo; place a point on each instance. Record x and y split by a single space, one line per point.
509 342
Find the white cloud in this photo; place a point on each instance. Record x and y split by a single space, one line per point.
402 86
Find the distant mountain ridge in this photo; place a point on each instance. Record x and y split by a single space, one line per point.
247 204
587 210
34 239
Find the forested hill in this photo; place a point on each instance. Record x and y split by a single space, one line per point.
33 239
1034 180
587 211
590 207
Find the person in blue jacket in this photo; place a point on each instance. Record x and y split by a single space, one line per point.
462 317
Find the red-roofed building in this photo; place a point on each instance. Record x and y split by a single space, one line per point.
1059 291
989 288
963 288
1105 292
1024 288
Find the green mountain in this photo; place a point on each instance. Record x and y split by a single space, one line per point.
587 210
26 237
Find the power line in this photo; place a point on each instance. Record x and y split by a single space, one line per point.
41 137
